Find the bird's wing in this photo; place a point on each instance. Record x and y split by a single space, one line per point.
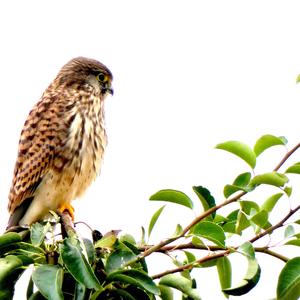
37 145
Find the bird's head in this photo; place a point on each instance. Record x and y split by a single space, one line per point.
83 70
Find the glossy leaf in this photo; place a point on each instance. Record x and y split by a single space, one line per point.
118 259
241 223
190 257
288 286
207 200
77 265
260 219
224 272
154 219
38 233
230 189
241 183
134 277
178 230
294 242
272 178
180 283
230 226
248 206
106 241
295 169
242 179
269 204
8 265
9 238
210 231
166 292
241 150
248 282
288 190
48 279
247 250
173 196
267 141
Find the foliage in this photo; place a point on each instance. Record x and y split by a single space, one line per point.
112 267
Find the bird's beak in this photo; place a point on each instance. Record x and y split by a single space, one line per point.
108 89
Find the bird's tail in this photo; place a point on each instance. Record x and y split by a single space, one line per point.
18 214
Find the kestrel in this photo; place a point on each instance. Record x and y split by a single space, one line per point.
62 143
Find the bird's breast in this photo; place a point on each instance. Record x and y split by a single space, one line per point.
82 154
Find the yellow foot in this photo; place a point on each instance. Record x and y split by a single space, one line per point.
67 207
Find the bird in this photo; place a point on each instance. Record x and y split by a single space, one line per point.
62 143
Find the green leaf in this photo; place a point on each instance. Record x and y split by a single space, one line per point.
38 233
80 292
90 250
241 183
77 265
243 179
180 283
241 223
269 204
118 259
48 279
233 215
272 178
134 277
289 231
248 206
288 286
166 292
219 219
247 250
267 141
9 238
207 200
210 231
294 242
288 190
230 226
154 219
295 169
298 79
106 241
8 265
173 196
224 272
260 219
190 257
241 150
248 282
209 263
178 230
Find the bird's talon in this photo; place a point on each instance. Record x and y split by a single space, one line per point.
67 207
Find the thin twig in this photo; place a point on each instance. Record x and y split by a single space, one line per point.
285 158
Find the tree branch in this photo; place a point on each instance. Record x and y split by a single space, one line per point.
67 228
162 244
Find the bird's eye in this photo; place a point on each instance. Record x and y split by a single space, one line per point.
101 77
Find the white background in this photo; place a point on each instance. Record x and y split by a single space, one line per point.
187 75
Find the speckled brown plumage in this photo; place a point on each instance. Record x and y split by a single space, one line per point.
62 143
